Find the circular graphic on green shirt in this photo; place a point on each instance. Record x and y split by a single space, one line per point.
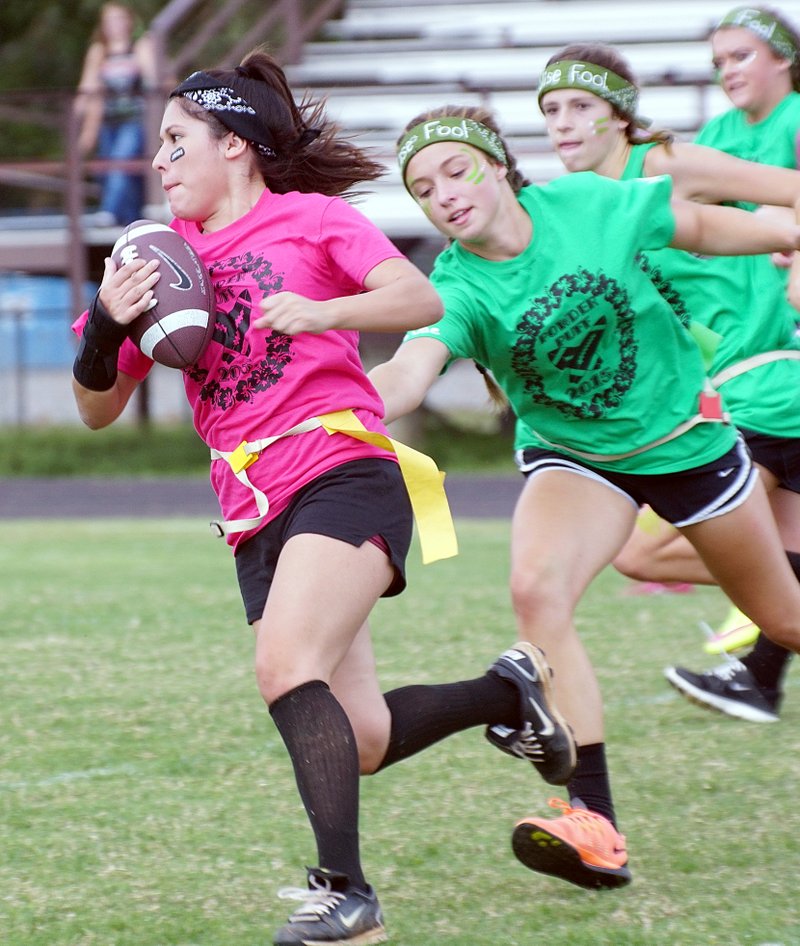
576 350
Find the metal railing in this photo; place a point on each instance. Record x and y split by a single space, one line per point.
285 25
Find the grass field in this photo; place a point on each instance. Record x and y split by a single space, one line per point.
147 799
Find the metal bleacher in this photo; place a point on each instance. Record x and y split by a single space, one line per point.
382 63
379 63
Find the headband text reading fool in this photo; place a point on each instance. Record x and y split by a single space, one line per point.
765 27
449 128
569 74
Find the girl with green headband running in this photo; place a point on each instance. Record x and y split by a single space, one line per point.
755 363
541 286
755 54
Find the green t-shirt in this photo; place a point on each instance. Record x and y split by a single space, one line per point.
588 353
773 140
743 300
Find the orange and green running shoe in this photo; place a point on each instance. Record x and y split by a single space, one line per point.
580 846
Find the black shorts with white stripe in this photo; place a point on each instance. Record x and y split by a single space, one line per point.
683 498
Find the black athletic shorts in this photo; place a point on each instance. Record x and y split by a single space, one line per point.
779 455
683 498
353 502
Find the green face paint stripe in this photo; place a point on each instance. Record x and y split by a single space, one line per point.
601 126
476 174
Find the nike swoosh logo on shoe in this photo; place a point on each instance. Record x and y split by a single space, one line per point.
519 659
546 727
533 677
350 921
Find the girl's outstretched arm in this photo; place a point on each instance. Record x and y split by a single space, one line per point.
710 176
399 297
406 378
728 231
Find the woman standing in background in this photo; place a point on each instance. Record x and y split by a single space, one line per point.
117 73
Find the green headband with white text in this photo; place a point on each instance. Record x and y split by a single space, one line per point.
569 74
449 128
763 26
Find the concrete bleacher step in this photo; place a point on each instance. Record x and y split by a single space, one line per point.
382 112
475 69
382 63
374 16
532 20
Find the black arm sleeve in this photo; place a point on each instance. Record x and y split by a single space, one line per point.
95 364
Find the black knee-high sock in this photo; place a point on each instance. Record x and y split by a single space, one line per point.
767 661
323 751
422 715
590 781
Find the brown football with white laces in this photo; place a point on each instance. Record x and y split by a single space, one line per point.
178 326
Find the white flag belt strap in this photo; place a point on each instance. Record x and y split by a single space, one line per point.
710 412
423 480
755 361
239 460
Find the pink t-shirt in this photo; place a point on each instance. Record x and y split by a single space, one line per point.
251 384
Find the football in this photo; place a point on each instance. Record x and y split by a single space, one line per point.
177 327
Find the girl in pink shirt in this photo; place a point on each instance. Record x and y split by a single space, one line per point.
321 526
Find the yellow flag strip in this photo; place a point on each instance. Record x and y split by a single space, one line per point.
424 482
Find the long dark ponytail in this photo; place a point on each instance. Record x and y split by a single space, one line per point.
311 153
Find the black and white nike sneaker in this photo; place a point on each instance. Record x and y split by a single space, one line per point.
544 737
730 689
333 912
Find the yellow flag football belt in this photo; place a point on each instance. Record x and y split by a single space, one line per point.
424 481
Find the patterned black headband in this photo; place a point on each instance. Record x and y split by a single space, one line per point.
231 102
